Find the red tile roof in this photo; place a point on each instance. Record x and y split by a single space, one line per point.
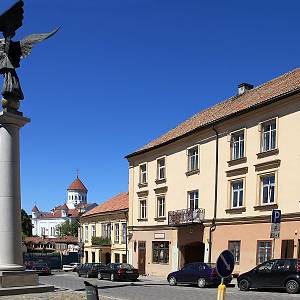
264 94
118 202
35 209
77 185
63 239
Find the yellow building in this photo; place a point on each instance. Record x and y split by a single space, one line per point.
104 231
212 182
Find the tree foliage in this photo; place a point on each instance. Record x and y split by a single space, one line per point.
26 224
68 228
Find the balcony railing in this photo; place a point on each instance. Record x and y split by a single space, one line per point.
186 216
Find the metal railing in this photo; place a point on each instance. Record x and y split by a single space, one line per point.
186 216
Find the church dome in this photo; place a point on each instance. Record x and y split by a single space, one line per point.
77 185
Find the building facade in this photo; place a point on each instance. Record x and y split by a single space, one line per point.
103 231
45 224
212 182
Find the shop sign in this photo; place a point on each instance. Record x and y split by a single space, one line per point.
159 236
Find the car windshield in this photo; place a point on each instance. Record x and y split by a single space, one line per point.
125 266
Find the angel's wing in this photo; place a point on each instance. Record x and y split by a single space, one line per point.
28 42
12 19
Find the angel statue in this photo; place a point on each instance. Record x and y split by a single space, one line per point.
11 52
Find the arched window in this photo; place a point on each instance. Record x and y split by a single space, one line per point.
75 197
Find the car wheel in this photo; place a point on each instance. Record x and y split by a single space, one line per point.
292 286
244 285
172 281
112 277
99 276
201 282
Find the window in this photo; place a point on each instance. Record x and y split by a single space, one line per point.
124 233
264 249
193 159
117 233
237 193
86 257
267 189
161 168
161 206
86 233
193 199
117 257
143 209
268 136
143 173
237 145
106 230
93 257
124 259
234 247
43 230
93 230
160 252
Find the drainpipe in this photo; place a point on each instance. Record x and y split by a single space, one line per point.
213 223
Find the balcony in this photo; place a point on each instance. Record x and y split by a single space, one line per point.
186 216
101 241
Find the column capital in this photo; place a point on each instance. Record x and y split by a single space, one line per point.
11 118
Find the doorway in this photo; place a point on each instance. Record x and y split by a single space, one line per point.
193 252
142 257
287 249
107 257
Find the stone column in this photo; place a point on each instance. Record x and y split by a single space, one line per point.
10 198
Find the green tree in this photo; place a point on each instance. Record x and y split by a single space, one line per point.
68 228
26 224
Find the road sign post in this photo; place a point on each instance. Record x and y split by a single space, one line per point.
225 265
275 226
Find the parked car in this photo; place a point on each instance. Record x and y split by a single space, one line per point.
41 268
90 269
118 271
202 274
71 267
274 273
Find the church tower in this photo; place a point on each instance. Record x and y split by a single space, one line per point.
77 193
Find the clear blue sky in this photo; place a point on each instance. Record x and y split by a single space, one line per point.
122 72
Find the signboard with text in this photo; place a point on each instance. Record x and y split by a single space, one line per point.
275 225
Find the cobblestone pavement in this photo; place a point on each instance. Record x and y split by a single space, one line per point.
147 289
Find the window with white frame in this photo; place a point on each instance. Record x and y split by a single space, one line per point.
86 233
267 192
237 145
143 173
237 193
161 168
161 206
268 136
106 230
234 247
263 251
193 200
117 233
124 233
193 159
143 209
93 233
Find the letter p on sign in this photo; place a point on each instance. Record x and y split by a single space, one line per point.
276 216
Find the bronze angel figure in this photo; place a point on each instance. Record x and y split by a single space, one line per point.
11 53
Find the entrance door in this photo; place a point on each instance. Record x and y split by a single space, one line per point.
287 249
142 257
194 252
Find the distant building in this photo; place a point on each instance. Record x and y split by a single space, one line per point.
104 231
45 223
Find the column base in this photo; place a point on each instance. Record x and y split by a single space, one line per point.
10 279
11 267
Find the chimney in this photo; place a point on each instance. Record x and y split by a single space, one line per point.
243 87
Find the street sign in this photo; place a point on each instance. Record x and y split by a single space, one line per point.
276 216
275 226
225 263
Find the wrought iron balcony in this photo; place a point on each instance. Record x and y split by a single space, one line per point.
186 216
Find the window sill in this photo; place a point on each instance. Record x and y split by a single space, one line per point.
141 185
235 210
142 220
193 172
160 219
238 161
267 153
264 207
159 181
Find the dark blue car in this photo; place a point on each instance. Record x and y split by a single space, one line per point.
202 274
